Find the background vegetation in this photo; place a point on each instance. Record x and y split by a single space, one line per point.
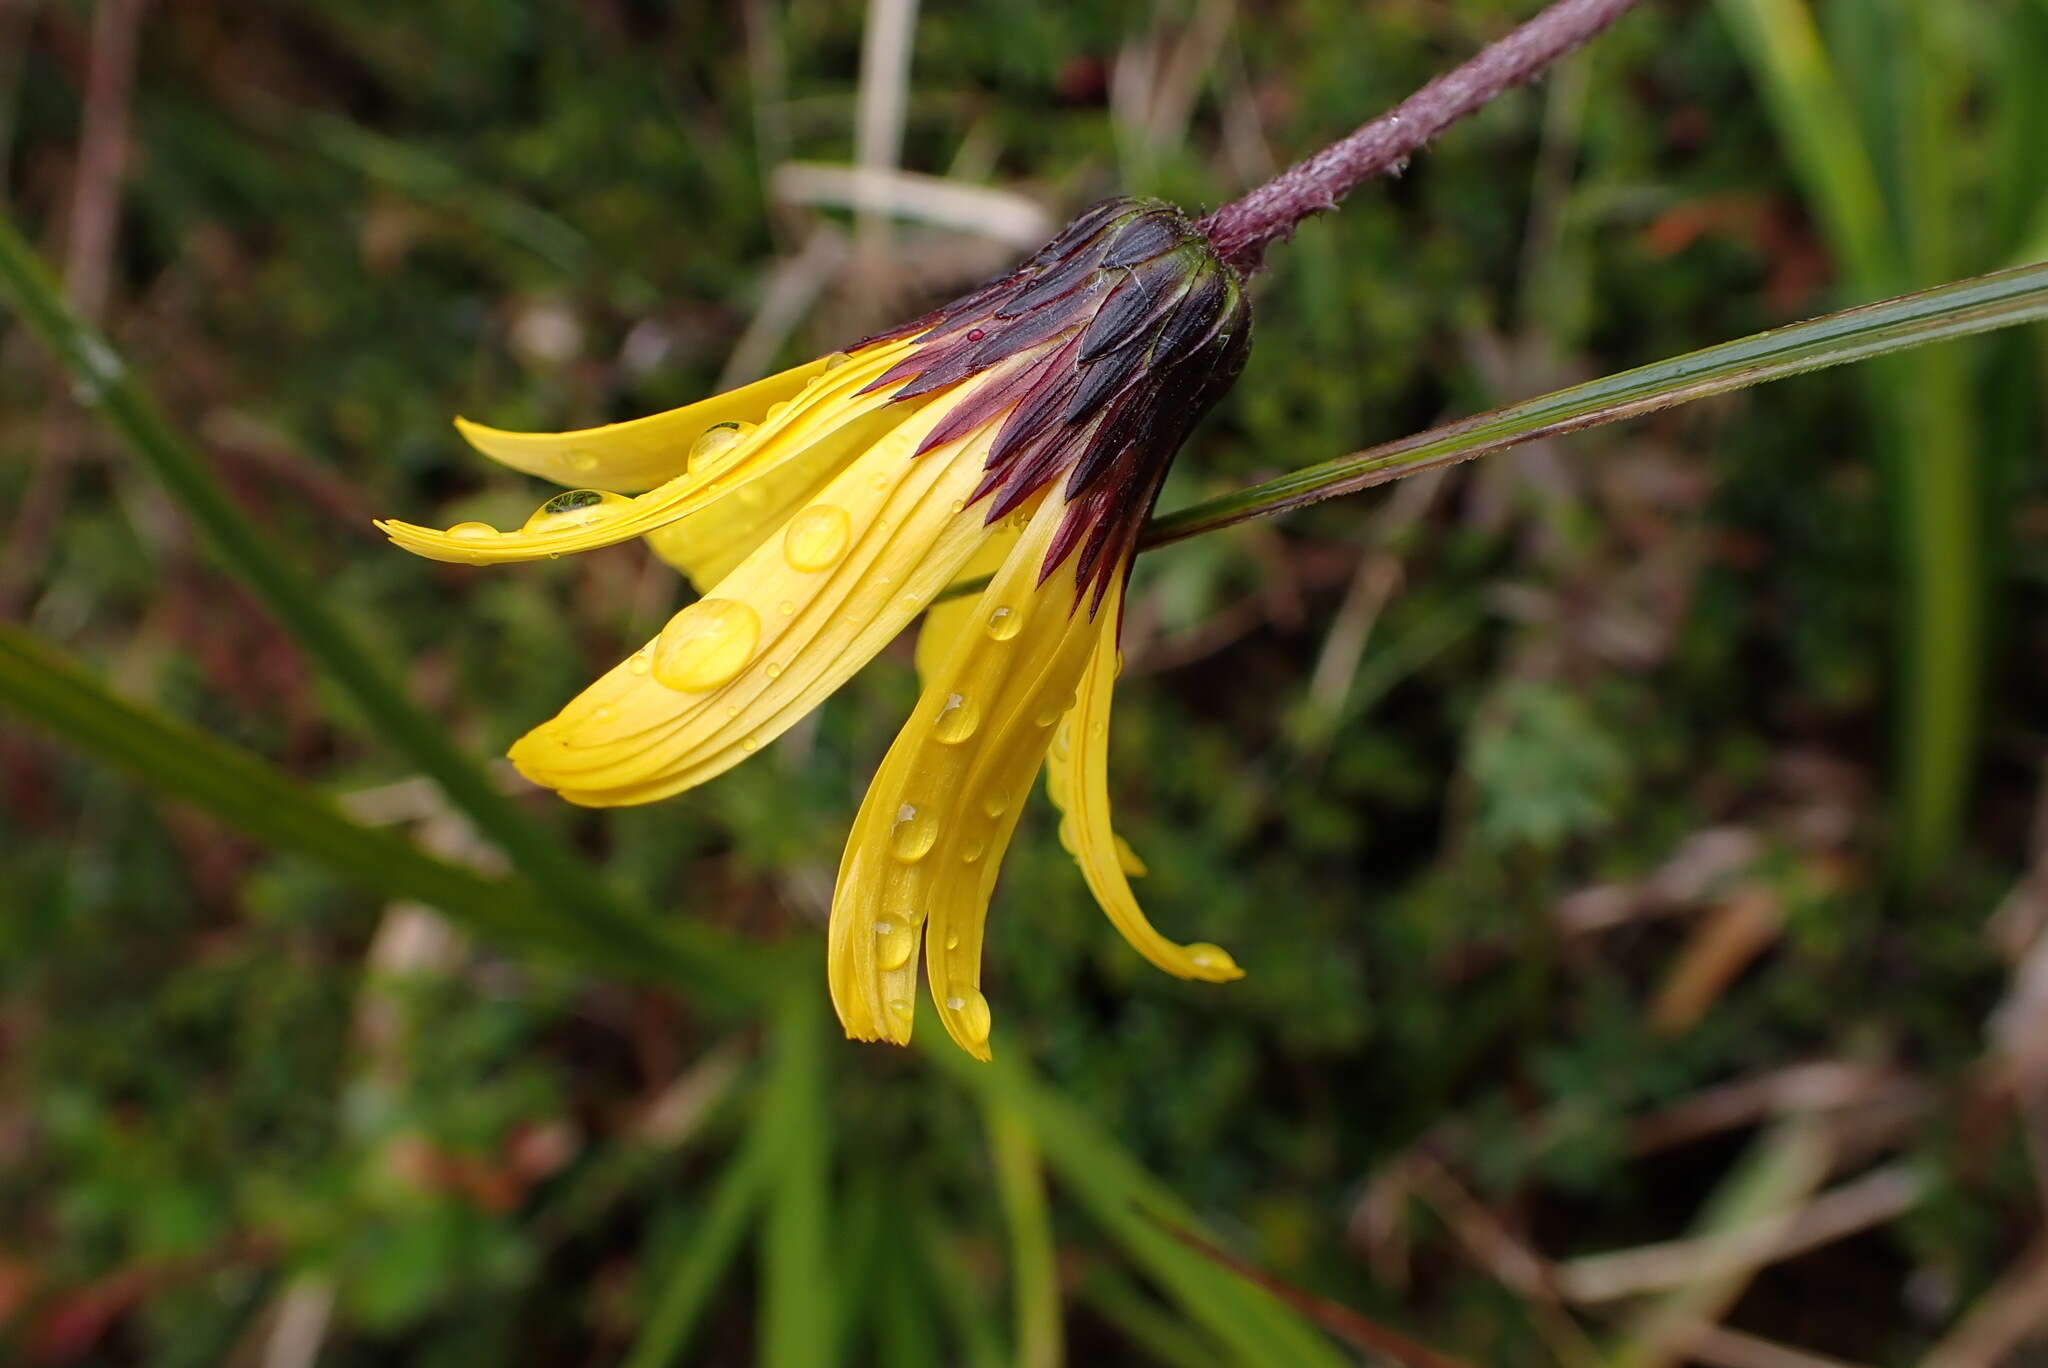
1631 838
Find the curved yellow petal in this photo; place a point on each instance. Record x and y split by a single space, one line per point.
922 858
709 545
637 455
946 619
828 421
802 612
1077 778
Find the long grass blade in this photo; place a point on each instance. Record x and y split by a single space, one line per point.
50 691
797 1301
1034 1276
572 890
1135 1209
709 1252
1962 309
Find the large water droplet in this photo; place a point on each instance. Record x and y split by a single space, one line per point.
915 830
705 645
715 446
957 719
971 1010
577 508
1004 622
816 538
894 943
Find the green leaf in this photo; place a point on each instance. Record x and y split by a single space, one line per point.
1962 309
52 692
572 891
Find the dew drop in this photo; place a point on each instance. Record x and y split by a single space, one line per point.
1213 957
971 1009
959 505
472 531
836 360
577 508
900 1011
957 719
705 645
750 744
776 410
816 538
715 446
915 831
953 941
774 671
894 943
976 334
641 661
785 608
1004 622
995 802
583 462
971 850
881 481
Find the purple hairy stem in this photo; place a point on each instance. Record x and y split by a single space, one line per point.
1243 229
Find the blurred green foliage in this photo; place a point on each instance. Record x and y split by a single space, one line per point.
1605 690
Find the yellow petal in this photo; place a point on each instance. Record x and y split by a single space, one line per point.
708 546
1077 778
803 611
629 457
922 858
946 619
826 424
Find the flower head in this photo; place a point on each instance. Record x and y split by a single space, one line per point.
1019 433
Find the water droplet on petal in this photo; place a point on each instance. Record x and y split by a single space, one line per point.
915 831
577 508
786 608
894 943
1004 622
816 538
774 671
836 360
641 661
995 802
953 941
972 1010
1212 957
957 719
705 645
900 1011
715 446
473 531
582 461
750 744
972 849
882 481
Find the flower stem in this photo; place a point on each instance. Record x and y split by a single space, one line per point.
1244 228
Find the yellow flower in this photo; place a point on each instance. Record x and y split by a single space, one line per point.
1020 433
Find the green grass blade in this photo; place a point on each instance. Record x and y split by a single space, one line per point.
688 1288
977 1333
1962 309
54 693
570 888
1034 1274
1147 1324
1131 1205
1818 122
797 1306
